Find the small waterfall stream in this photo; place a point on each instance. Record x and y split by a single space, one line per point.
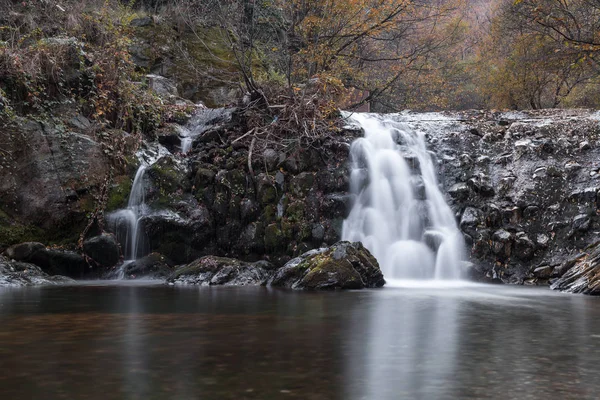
126 221
400 214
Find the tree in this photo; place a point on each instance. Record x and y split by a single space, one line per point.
526 64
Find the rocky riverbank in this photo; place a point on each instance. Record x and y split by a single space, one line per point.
524 187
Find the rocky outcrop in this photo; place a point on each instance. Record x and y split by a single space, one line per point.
524 186
14 274
48 181
344 265
584 274
209 202
211 270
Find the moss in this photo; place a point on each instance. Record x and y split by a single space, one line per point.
17 233
268 195
269 213
295 211
119 193
166 176
274 238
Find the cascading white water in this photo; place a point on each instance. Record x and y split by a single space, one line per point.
126 221
202 120
399 213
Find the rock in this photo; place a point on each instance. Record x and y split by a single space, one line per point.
502 236
49 185
584 275
67 263
211 270
53 262
530 212
14 273
585 145
419 190
80 122
521 147
336 205
581 223
318 233
543 272
470 220
161 85
169 137
103 250
572 166
141 22
542 240
459 191
179 238
271 159
586 195
344 265
152 266
24 251
502 243
524 247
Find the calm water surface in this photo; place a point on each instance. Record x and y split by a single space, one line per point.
103 341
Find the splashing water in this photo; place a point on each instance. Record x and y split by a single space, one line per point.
400 214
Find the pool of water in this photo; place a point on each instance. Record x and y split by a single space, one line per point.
147 341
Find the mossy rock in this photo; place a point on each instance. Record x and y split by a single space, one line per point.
119 193
274 238
344 265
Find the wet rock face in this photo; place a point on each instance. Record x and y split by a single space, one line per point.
15 274
525 192
209 203
211 270
47 187
584 274
344 265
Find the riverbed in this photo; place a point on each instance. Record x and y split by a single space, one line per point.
102 340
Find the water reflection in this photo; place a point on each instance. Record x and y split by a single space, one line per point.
95 342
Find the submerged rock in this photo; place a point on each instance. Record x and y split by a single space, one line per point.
15 273
344 265
211 270
584 275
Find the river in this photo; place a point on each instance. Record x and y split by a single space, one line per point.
102 340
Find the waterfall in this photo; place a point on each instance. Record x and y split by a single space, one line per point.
126 221
399 213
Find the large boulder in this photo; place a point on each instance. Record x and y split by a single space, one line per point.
51 179
103 250
51 261
15 273
161 85
211 270
344 265
584 275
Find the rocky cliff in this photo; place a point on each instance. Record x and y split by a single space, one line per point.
524 187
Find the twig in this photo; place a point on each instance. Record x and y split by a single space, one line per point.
250 157
244 135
